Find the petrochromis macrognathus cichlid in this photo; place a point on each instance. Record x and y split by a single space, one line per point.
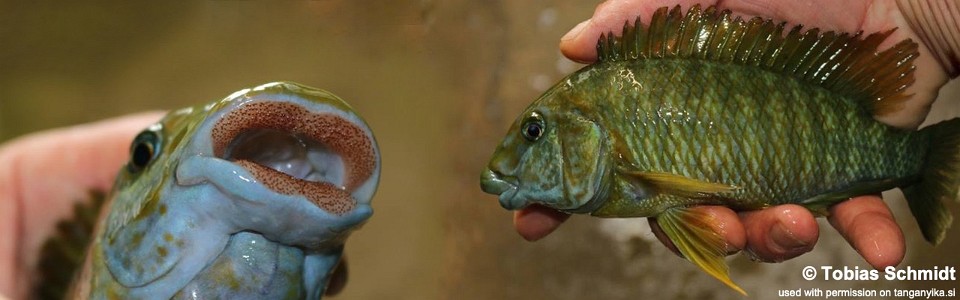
248 197
705 109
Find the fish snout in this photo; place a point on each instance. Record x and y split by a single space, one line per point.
495 183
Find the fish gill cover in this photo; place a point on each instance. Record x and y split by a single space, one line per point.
706 109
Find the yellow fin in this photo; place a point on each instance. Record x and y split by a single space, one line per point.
679 185
690 232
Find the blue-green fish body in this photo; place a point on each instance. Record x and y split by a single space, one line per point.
757 138
703 109
249 197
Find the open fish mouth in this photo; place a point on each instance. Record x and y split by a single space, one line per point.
504 186
294 151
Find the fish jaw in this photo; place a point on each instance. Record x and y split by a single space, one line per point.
176 214
503 186
336 144
286 219
297 164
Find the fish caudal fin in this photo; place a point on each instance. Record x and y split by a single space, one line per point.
691 232
940 179
844 63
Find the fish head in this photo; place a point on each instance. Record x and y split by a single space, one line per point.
277 139
553 155
279 164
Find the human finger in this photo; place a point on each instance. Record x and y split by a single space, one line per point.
780 233
849 16
537 221
868 225
580 43
43 174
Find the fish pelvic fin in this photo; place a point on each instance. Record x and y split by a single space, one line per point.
845 63
678 185
691 232
939 181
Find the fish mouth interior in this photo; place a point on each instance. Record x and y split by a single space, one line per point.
289 153
286 148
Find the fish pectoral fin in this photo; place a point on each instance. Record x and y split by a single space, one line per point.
678 185
691 232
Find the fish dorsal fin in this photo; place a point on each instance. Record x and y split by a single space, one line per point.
840 62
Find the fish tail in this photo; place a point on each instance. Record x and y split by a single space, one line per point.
939 181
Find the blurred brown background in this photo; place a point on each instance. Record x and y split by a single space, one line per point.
439 82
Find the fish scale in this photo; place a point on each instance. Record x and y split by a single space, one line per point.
769 165
707 109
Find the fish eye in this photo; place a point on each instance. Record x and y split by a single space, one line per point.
533 128
143 150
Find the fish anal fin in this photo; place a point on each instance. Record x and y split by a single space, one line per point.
678 185
819 205
692 233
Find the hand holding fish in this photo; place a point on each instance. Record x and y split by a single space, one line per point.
55 169
773 233
913 20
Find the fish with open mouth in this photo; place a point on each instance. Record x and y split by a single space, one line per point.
705 109
248 197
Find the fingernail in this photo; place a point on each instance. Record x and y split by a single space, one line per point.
575 32
785 239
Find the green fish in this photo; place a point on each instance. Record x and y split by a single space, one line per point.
249 197
703 109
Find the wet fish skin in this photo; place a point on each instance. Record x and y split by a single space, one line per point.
706 109
197 213
772 138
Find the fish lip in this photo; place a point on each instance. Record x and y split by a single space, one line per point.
357 218
233 180
294 118
505 187
317 227
295 142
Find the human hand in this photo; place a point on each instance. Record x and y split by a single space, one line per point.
42 175
847 16
787 231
